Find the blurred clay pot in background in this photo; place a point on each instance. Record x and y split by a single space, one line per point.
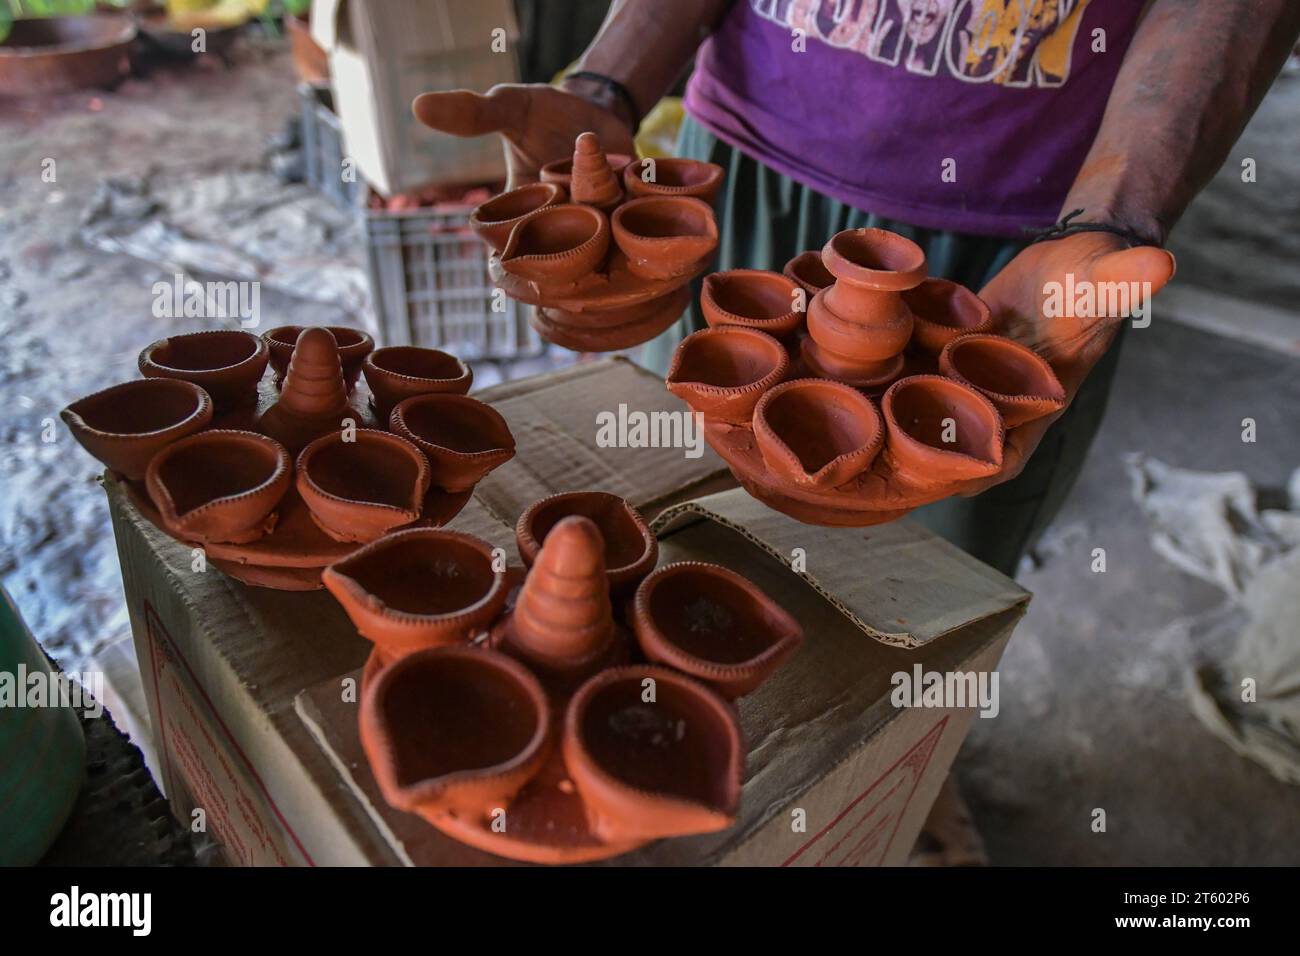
418 588
557 245
354 345
358 490
859 326
672 176
1016 379
462 438
670 767
226 363
809 271
400 371
943 310
665 236
920 411
714 625
722 372
630 549
454 730
493 220
220 485
753 298
126 425
817 432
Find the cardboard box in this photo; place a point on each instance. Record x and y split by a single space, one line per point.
247 687
384 53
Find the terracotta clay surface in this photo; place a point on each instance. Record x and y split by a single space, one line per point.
314 396
454 731
817 432
1016 379
752 298
354 345
943 310
462 438
400 371
665 236
219 485
671 176
560 171
591 178
494 220
645 770
810 272
226 363
557 245
722 372
359 489
126 425
922 410
629 547
714 625
417 589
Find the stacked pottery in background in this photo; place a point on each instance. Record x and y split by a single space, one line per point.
849 388
586 701
604 246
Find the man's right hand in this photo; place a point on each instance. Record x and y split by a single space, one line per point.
538 123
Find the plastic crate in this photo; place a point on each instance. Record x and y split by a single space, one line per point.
322 147
430 287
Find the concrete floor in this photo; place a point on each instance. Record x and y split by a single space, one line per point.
1093 713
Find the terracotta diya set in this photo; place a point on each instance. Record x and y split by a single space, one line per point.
604 246
277 480
571 712
849 389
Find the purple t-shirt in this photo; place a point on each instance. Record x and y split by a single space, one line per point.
971 115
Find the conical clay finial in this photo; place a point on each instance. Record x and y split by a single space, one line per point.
593 181
563 615
313 395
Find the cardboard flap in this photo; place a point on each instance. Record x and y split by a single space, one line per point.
897 582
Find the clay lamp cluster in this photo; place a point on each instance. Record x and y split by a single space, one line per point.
885 391
604 246
582 712
276 482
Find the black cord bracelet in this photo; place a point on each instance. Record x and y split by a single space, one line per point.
615 87
1068 227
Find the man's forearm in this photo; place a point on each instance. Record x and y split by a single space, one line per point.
646 44
1193 75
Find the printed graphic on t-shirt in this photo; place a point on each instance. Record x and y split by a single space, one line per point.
1014 43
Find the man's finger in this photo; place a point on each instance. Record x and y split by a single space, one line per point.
1146 268
466 113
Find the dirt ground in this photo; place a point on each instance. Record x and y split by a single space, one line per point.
1093 713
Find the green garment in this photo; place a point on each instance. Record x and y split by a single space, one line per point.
765 219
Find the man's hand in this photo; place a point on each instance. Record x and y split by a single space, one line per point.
538 123
1072 342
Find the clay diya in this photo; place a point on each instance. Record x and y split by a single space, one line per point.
630 549
816 432
219 486
418 588
752 298
1016 379
859 326
557 245
809 271
665 236
653 754
462 438
126 425
354 345
941 431
454 731
672 176
359 489
592 180
493 220
722 372
562 624
314 397
943 310
226 363
400 371
560 171
714 625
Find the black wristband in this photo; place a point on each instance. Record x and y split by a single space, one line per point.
615 87
1068 227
